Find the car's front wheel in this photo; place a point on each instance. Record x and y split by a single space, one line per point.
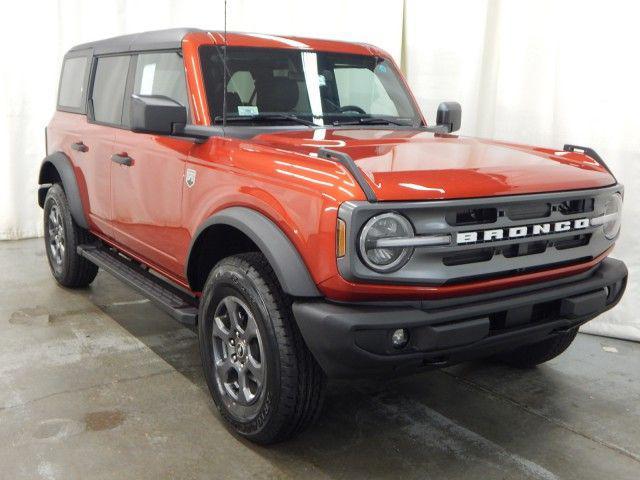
261 375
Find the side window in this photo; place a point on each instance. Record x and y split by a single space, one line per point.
108 89
161 74
71 92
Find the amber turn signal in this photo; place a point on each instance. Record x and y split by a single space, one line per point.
341 238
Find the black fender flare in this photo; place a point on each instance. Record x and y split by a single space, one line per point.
282 255
63 166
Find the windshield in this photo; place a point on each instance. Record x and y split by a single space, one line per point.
317 88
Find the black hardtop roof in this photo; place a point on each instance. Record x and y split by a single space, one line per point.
156 40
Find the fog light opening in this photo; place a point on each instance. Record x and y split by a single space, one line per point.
400 338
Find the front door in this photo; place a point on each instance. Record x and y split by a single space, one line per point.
148 171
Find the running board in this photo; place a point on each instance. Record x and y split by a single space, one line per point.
180 305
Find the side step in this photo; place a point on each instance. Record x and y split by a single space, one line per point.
180 305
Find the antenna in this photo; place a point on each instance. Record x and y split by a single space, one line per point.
224 70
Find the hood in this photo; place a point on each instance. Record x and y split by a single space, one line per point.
418 165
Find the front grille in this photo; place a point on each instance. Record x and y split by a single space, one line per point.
491 237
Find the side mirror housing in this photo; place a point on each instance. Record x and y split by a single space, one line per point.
156 114
449 116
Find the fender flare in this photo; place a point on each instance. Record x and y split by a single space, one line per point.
63 166
282 255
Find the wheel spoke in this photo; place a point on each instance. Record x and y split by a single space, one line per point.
219 331
244 394
222 369
232 311
53 218
251 331
256 370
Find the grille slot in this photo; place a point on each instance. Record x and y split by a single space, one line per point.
573 241
572 207
529 211
472 216
471 256
521 249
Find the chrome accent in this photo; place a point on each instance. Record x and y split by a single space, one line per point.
423 241
601 220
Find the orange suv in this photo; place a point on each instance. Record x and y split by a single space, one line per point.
285 197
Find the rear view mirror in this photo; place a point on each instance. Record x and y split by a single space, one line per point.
449 116
156 114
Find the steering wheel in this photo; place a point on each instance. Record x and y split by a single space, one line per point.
351 108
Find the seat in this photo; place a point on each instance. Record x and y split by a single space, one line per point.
278 94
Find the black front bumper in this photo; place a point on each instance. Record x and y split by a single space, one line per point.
355 339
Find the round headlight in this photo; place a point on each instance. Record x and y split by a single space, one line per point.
613 206
385 259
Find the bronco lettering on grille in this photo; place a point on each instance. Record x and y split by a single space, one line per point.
521 231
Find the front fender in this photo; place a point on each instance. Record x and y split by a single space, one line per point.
283 257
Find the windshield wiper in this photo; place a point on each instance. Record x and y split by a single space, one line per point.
372 121
266 117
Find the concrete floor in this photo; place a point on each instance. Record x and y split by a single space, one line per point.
98 383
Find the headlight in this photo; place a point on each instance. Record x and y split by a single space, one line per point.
385 259
613 210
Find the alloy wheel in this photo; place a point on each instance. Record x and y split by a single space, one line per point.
238 357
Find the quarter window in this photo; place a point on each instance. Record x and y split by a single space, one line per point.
108 89
71 90
161 74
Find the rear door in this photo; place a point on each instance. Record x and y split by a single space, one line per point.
147 193
104 117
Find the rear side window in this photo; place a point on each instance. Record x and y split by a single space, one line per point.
161 74
72 82
108 89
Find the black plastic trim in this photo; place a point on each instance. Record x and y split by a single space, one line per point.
348 162
283 257
178 304
63 165
344 337
589 152
139 42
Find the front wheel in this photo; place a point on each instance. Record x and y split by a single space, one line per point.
261 375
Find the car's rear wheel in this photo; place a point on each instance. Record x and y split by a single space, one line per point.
260 373
62 236
528 356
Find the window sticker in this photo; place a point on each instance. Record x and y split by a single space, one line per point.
247 110
321 80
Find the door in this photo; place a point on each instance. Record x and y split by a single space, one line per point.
92 144
147 174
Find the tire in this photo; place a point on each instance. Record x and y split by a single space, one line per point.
284 384
62 236
528 356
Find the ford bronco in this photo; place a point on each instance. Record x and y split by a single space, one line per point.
287 199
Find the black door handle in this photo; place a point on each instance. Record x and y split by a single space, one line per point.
79 147
122 159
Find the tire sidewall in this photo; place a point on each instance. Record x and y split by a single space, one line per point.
225 277
55 196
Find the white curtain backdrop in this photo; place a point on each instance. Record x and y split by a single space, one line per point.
531 71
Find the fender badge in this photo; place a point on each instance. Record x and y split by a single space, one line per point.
190 177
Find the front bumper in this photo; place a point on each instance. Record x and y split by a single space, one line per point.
351 340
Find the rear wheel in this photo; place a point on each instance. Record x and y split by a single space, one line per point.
62 236
260 373
528 356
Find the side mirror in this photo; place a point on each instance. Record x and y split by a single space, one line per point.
156 114
449 116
